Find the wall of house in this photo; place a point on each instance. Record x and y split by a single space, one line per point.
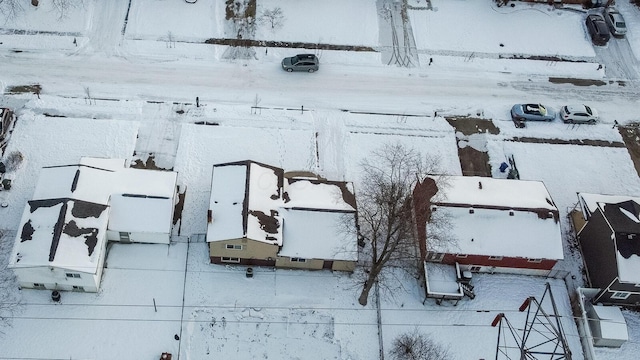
343 265
509 265
577 2
140 237
310 264
56 279
598 251
251 253
604 296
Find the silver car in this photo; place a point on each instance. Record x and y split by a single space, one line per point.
615 21
301 62
532 112
578 114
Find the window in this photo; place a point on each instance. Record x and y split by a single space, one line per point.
230 259
537 261
437 257
300 260
620 295
73 275
78 288
495 257
38 286
234 247
462 256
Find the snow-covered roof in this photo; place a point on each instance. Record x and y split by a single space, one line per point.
254 200
319 194
612 323
589 202
624 219
500 217
491 232
141 213
79 182
504 193
90 199
77 246
310 234
245 197
441 279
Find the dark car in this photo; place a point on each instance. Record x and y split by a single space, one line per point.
301 62
598 29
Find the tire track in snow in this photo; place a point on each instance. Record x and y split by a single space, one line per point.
330 139
107 26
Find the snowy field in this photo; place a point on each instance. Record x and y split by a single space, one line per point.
151 293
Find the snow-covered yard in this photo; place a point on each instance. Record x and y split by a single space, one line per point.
152 293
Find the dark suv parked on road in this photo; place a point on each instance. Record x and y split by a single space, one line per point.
598 29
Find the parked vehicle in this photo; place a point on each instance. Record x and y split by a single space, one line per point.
615 21
598 29
578 114
532 112
301 62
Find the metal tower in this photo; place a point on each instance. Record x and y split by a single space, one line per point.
541 338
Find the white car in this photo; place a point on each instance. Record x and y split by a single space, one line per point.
578 114
615 21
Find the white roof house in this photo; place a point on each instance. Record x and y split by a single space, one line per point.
500 217
74 207
305 217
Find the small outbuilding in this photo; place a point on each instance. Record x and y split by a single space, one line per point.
608 326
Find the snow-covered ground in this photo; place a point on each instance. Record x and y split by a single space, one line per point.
143 86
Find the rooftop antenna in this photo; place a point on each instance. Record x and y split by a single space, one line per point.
541 338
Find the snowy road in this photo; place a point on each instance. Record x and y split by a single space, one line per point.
335 87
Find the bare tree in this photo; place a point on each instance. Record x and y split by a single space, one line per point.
62 7
10 9
385 210
417 346
273 17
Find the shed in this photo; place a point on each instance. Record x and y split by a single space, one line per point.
608 327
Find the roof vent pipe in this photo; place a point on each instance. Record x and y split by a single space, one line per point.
480 185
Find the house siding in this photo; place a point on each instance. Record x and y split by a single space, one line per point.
252 253
315 264
504 265
343 265
55 279
598 251
507 262
310 264
604 296
141 237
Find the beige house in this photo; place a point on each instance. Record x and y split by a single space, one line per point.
260 216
